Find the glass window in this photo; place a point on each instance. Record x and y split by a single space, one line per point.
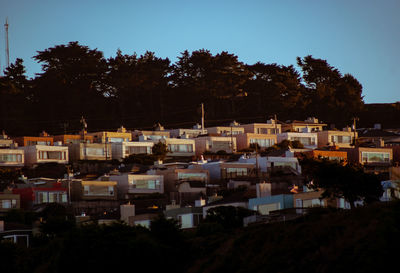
52 197
237 171
146 184
115 139
10 158
6 204
136 150
375 157
192 176
94 151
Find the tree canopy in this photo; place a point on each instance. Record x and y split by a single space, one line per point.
136 91
349 181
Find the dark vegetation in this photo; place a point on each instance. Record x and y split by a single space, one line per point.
341 181
326 240
138 91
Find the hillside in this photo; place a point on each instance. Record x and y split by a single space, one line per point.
362 240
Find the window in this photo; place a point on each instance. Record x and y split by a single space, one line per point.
262 142
180 148
51 197
341 139
115 139
94 151
9 204
192 176
98 190
146 184
52 155
375 157
236 171
10 158
306 141
137 150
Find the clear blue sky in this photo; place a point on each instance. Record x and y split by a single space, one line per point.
360 37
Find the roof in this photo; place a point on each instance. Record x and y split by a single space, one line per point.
376 133
300 122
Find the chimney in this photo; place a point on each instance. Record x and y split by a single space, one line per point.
122 129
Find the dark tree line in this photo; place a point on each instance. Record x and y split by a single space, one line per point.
138 91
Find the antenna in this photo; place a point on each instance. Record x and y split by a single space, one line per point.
7 46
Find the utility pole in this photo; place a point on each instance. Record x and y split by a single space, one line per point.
257 166
355 131
202 118
276 126
7 44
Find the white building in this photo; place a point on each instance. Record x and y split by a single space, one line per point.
309 140
36 154
125 149
138 184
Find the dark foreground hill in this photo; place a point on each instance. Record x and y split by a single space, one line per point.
361 240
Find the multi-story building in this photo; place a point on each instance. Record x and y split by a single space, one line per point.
373 159
138 184
41 191
111 137
89 151
93 190
43 139
187 133
262 140
214 144
226 130
341 139
143 135
309 140
309 125
124 149
180 147
263 128
73 139
36 154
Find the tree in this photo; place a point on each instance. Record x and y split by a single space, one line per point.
15 98
274 87
349 182
8 176
72 76
160 150
56 219
217 80
139 86
167 231
228 216
331 96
